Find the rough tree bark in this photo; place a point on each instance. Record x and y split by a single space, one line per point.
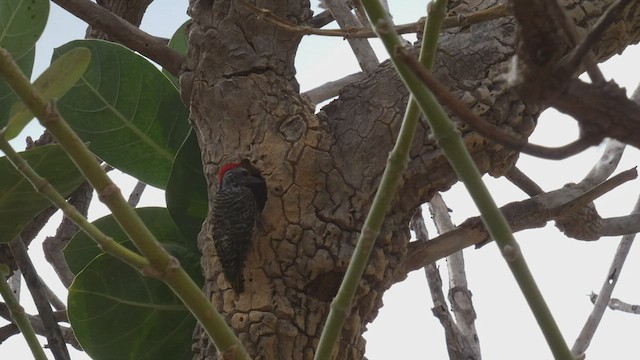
322 169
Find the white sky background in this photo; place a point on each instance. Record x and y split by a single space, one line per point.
567 270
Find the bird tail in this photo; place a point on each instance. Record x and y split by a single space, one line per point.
237 283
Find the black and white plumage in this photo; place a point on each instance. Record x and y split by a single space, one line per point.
235 213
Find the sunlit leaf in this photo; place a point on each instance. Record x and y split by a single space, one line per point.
52 83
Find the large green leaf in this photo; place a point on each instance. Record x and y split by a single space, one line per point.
186 192
21 24
178 42
52 83
19 202
130 113
81 250
117 313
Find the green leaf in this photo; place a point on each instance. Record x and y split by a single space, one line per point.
178 42
21 24
81 250
52 83
117 313
130 113
19 202
186 192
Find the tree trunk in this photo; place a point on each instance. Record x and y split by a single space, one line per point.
322 169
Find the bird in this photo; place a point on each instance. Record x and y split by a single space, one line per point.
237 207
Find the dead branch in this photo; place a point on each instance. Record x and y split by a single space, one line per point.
38 292
459 294
521 215
588 330
457 344
360 47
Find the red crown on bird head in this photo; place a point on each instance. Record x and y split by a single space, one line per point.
224 169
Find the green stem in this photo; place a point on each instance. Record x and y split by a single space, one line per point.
396 163
42 186
453 147
160 263
19 316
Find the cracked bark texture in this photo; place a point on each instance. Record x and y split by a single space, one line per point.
322 169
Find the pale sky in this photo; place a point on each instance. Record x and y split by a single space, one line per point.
567 270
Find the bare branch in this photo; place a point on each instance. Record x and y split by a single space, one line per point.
361 48
457 344
521 180
321 20
61 316
53 245
589 328
606 165
527 214
489 130
39 295
459 294
617 304
572 61
121 30
332 88
136 193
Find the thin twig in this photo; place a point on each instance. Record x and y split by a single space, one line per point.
487 129
493 13
121 30
521 180
619 305
590 326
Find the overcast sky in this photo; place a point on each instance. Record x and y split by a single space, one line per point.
566 270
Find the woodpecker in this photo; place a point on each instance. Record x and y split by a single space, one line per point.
241 196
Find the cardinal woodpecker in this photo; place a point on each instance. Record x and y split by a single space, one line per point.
241 196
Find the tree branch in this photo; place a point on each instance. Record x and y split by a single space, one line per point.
150 46
521 215
40 299
573 60
457 344
459 294
489 130
361 47
589 328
